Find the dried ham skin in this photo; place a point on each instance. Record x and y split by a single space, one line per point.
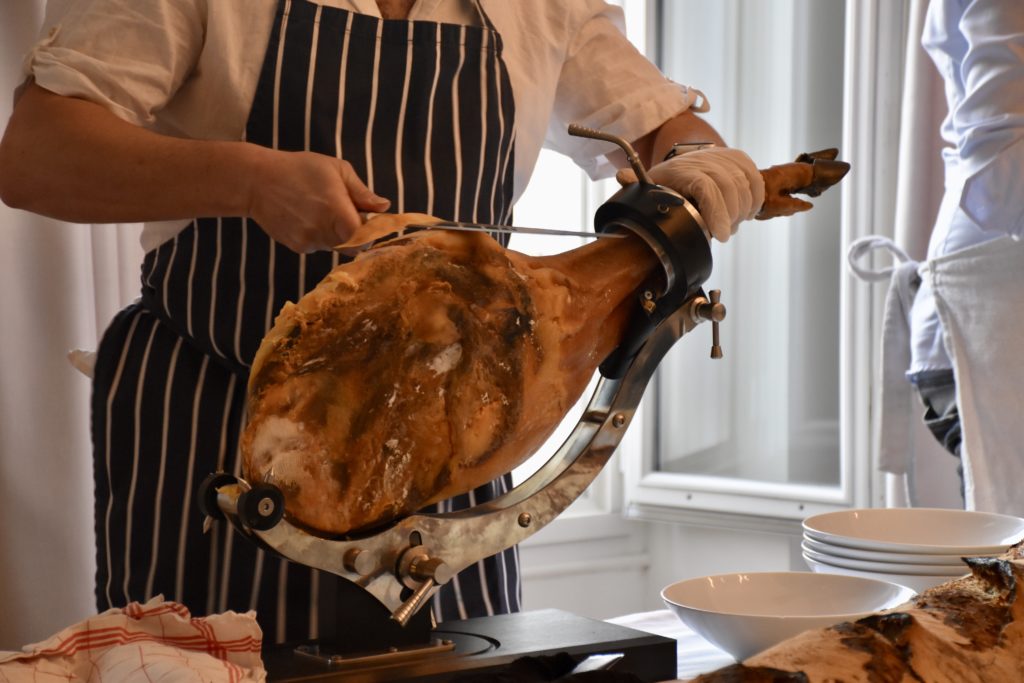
426 367
969 630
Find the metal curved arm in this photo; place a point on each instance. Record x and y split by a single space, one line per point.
457 540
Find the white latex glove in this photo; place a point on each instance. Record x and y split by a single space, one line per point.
724 183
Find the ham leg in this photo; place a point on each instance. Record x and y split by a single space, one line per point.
428 366
438 361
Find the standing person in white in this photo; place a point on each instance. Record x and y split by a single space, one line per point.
967 331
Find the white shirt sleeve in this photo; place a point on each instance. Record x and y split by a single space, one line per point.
129 56
606 83
989 119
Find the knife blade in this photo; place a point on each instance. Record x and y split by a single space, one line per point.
511 229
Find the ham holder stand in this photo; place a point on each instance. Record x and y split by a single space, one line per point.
381 633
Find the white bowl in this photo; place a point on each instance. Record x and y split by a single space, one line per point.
917 530
882 556
955 569
915 582
746 613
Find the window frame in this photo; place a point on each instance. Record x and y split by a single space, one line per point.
874 54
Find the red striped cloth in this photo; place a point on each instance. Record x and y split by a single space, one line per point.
156 642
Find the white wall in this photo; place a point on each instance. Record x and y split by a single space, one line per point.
606 567
596 567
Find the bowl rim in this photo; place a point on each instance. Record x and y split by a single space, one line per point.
902 594
902 568
923 559
809 527
918 584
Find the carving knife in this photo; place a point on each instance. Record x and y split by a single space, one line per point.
510 229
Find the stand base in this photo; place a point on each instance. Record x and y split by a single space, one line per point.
488 645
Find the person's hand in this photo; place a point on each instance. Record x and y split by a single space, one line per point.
308 201
723 182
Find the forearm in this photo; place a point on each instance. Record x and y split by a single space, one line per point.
74 160
686 127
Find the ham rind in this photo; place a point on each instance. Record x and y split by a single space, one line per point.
426 367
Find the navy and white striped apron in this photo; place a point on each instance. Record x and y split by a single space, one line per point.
424 113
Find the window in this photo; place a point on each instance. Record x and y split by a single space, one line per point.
781 426
763 422
769 410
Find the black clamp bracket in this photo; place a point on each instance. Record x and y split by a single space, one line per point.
674 230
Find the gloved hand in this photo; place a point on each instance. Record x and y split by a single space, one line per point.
724 183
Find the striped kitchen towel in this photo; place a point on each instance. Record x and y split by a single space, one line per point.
159 641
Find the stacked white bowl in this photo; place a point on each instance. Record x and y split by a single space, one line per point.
914 547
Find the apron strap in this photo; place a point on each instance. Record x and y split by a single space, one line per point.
483 15
895 393
864 246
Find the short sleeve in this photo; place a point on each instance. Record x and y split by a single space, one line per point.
606 83
127 55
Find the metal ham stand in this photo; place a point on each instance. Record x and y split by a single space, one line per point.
382 633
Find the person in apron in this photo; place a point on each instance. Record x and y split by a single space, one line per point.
421 110
964 319
171 373
953 327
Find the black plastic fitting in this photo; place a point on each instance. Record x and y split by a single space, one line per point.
674 230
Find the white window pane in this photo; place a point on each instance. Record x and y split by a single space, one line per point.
768 411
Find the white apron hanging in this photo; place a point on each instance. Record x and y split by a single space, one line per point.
979 293
918 471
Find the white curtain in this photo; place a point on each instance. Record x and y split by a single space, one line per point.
933 480
59 285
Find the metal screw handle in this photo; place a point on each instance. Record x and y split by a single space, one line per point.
717 315
711 309
631 155
413 604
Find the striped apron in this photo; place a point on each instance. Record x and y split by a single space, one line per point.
424 113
